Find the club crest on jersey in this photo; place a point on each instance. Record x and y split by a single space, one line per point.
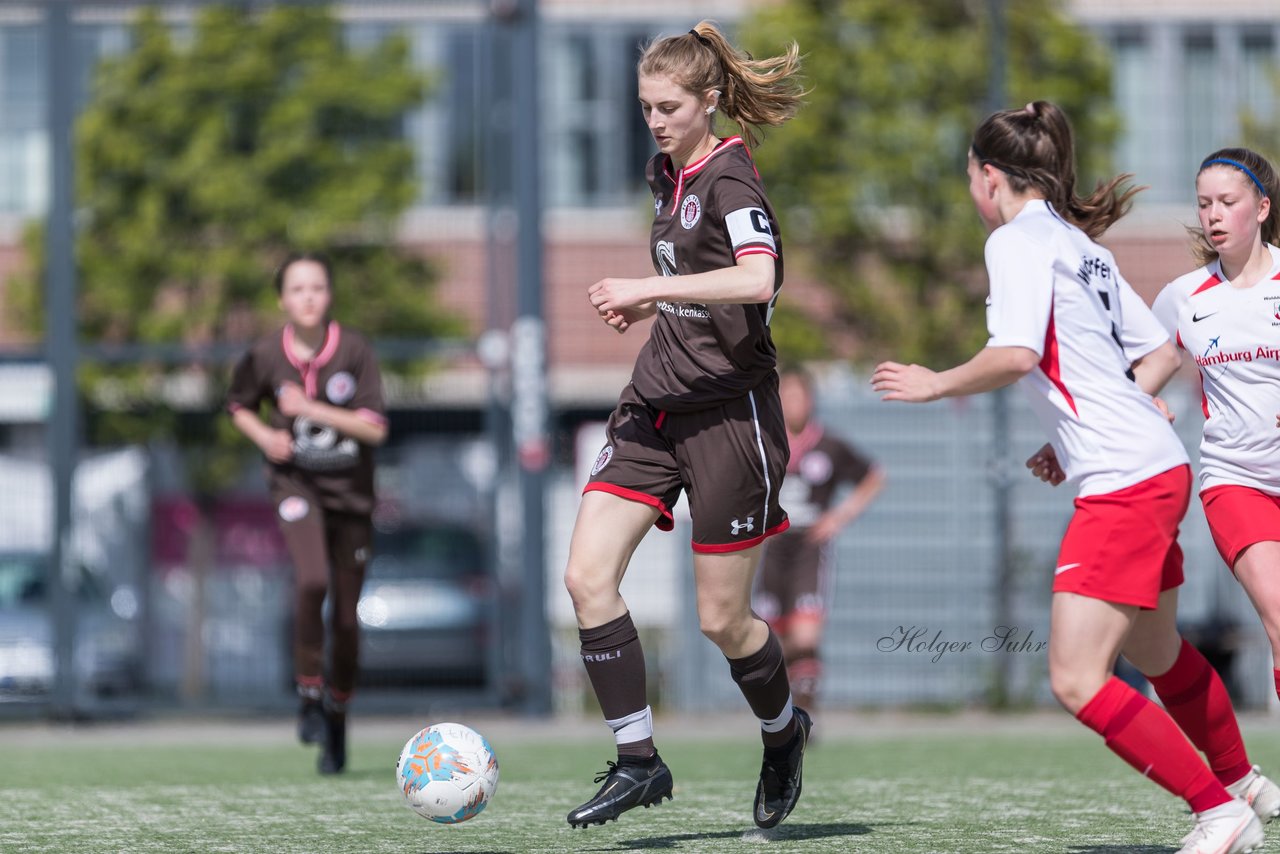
293 508
602 460
816 467
690 211
340 388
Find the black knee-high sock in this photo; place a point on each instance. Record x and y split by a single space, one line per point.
615 665
762 677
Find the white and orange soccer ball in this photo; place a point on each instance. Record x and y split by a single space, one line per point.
447 773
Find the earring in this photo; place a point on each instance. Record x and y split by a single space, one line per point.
710 110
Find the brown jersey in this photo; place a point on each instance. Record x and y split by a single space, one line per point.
820 463
337 469
707 216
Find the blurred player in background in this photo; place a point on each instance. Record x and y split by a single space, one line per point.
1226 315
701 414
1066 325
324 394
794 588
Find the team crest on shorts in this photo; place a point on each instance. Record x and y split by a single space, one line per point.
293 508
340 388
606 454
690 211
657 205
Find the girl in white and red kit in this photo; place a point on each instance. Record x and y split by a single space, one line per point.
1226 316
1066 327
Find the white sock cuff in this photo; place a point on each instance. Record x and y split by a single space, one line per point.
636 726
781 721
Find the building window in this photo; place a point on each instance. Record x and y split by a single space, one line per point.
1203 112
1185 91
1134 92
596 139
23 142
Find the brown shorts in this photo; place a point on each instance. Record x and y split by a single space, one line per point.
730 459
794 582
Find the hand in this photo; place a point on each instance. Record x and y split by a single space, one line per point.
614 294
278 446
291 400
622 319
911 383
1166 411
824 529
1044 465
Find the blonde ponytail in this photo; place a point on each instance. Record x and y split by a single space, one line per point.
753 92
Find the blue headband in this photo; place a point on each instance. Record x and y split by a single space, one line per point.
1241 167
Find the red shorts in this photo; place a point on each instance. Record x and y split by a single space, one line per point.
1240 516
1122 547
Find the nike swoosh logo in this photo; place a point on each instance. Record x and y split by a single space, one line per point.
1064 568
1196 318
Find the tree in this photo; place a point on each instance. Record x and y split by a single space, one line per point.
869 177
203 157
1259 132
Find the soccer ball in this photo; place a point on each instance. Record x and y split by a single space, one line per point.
447 773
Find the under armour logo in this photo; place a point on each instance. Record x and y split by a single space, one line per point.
747 526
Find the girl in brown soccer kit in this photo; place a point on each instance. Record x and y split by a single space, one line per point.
326 415
701 414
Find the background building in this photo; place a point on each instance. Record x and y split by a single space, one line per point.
1188 77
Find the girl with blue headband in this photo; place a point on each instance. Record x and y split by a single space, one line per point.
1226 316
1069 330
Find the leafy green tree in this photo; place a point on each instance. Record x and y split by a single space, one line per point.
870 176
1259 133
201 158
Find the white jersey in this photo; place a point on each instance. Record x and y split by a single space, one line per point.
1055 291
1233 334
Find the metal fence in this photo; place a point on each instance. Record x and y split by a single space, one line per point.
179 605
179 602
914 620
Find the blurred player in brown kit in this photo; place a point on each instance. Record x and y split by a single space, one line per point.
326 414
794 587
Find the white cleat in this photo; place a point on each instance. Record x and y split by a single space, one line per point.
1258 792
1231 828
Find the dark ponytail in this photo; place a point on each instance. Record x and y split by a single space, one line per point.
1035 147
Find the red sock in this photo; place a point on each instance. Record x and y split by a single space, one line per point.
1194 696
1276 674
1137 731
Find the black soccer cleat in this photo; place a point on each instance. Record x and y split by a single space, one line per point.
333 757
628 784
779 786
311 722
